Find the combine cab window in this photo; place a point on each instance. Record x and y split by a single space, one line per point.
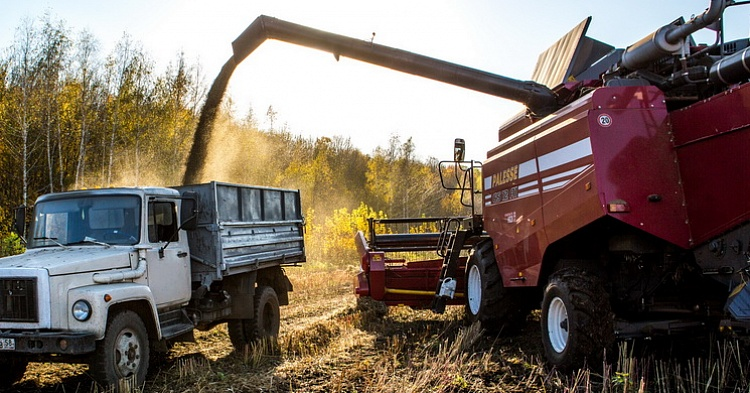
162 222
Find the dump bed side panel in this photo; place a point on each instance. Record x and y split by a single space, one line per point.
242 228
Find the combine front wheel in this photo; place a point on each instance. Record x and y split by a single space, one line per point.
495 307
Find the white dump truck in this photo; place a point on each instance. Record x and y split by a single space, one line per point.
111 277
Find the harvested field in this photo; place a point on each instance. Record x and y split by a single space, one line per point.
330 343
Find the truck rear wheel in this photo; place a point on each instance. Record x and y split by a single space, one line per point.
265 324
495 307
577 323
122 357
13 370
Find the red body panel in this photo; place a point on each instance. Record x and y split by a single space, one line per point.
532 164
635 161
712 139
559 173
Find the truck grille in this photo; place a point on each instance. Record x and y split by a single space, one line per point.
18 300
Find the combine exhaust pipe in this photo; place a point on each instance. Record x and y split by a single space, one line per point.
669 39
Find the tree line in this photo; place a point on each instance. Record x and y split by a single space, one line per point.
72 117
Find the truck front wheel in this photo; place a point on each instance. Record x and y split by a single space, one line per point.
265 324
577 323
123 354
495 307
13 370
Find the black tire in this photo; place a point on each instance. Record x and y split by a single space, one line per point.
265 324
496 308
577 321
13 369
159 352
122 357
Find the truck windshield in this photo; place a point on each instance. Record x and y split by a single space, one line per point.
85 220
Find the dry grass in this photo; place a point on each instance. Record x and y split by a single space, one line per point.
329 343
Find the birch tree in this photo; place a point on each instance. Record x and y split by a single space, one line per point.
23 75
85 64
54 53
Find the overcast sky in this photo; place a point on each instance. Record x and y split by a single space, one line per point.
315 95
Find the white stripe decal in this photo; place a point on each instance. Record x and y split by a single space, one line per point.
530 192
527 168
564 174
530 184
554 185
572 174
565 154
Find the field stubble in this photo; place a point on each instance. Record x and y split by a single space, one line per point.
330 343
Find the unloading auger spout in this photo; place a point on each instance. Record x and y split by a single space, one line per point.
539 99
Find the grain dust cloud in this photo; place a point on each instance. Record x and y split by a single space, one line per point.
194 167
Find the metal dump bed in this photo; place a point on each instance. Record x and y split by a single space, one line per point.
243 228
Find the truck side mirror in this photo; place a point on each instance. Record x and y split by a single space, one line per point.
459 149
189 211
19 220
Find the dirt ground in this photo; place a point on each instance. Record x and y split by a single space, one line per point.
329 343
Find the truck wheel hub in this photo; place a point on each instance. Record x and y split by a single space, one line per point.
557 325
127 354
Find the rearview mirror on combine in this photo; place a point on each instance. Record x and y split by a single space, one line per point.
459 150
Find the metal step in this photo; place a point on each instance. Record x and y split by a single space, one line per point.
446 285
175 323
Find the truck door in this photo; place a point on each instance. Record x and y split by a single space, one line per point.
168 270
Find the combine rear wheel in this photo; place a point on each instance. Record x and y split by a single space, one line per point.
577 322
495 307
265 324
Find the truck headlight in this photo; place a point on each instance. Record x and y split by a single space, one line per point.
81 310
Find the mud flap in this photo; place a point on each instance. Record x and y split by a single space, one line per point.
738 303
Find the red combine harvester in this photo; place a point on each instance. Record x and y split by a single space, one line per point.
618 200
620 204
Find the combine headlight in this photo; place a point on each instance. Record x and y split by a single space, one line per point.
81 310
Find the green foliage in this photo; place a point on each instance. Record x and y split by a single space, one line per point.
10 244
330 239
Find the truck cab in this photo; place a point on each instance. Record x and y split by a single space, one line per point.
92 255
80 239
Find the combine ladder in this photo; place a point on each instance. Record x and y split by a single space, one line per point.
452 240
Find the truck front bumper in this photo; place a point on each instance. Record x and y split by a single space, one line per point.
36 342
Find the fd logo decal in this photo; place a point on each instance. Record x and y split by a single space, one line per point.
604 120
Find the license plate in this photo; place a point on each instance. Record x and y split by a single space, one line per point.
7 344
